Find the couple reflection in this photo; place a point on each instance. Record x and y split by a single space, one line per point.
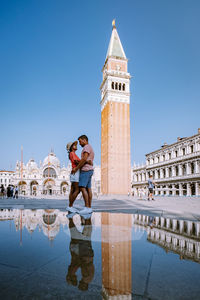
82 254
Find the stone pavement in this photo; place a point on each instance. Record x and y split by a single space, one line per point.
187 208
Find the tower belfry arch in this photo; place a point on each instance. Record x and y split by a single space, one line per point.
115 120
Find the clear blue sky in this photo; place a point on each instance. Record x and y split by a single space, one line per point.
51 56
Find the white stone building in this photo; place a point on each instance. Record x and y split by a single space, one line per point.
47 178
6 177
175 169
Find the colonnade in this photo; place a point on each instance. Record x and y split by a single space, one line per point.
177 170
177 235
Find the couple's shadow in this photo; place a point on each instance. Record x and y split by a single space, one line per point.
82 254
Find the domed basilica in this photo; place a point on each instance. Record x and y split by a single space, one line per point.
49 178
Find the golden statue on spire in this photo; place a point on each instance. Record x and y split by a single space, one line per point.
113 23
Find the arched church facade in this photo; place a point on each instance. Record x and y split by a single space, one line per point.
47 178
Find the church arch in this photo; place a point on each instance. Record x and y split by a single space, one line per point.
49 219
113 85
49 187
33 187
64 187
22 187
49 172
116 85
123 87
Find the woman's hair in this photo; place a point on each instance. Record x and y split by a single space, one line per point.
70 150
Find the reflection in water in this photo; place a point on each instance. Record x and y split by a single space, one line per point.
81 255
113 236
179 236
116 255
47 220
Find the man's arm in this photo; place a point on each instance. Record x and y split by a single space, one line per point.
81 162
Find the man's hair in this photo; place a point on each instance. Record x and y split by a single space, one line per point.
83 137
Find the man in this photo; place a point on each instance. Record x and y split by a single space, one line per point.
86 172
151 185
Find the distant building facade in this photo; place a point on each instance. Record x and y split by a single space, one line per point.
47 178
6 177
175 168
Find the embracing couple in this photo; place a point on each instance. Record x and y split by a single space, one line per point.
81 174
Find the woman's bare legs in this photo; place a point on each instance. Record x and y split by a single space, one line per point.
73 193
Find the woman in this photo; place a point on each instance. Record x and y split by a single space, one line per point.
74 178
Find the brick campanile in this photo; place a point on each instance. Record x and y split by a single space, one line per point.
115 120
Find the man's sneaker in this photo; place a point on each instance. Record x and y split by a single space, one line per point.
86 217
70 215
71 209
85 211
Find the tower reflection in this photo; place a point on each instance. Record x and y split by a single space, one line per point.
116 255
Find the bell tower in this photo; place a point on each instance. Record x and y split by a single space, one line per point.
115 120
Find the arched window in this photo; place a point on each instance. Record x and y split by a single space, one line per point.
123 87
49 172
113 85
120 86
116 85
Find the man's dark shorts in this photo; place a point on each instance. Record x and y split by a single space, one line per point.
85 178
150 191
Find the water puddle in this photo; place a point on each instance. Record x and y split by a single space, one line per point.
45 255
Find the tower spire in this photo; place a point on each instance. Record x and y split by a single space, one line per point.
113 23
115 48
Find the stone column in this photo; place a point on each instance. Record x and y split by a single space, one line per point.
174 225
162 220
180 170
139 177
157 220
189 227
167 223
196 188
180 189
161 190
196 167
167 172
197 229
156 190
174 242
161 173
188 169
156 174
186 150
182 243
173 190
167 190
188 189
181 226
173 171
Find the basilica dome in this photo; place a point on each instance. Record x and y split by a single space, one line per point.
51 159
31 165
